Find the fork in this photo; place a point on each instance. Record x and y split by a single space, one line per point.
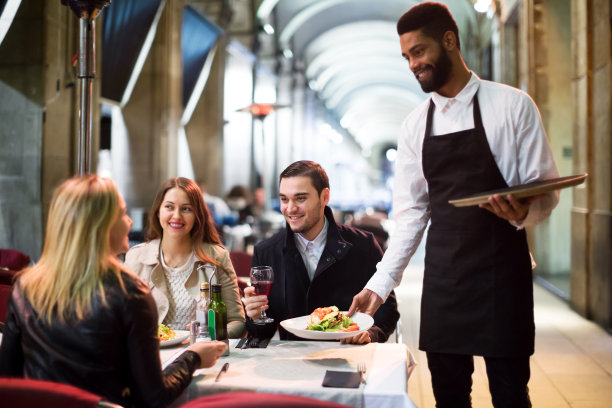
361 369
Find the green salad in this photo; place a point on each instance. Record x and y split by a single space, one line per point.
330 319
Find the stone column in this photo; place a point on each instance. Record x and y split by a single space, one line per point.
581 88
205 129
600 251
592 213
167 60
152 115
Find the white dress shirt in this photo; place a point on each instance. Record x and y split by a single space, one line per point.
311 250
517 141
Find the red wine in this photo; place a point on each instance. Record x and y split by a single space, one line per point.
262 287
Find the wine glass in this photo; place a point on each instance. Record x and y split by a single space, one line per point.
262 278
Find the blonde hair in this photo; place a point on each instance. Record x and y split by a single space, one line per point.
77 254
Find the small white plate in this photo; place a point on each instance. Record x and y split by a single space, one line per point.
297 326
181 335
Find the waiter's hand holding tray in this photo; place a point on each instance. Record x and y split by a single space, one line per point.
522 190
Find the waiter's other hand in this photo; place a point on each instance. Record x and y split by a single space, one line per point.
254 304
509 208
365 301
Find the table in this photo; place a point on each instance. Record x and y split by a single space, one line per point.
298 368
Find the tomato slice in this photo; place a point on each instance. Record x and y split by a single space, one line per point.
352 327
321 312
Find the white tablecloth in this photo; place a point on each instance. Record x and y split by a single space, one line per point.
298 367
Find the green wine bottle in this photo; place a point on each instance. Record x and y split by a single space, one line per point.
219 323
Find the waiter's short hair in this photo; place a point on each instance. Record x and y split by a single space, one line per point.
433 18
310 169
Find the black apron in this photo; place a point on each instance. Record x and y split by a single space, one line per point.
477 286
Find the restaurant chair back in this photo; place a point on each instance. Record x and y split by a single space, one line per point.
5 293
242 262
7 276
257 400
11 262
13 259
29 393
241 286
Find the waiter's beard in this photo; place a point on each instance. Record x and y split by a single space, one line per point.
440 72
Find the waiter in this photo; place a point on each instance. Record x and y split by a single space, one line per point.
470 136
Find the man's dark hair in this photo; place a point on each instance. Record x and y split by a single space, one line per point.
434 19
310 169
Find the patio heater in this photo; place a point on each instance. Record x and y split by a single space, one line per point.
260 111
86 11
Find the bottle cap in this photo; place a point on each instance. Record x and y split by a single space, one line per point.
216 288
204 286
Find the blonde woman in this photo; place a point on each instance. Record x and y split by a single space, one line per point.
181 236
79 317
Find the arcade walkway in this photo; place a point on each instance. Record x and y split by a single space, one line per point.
572 365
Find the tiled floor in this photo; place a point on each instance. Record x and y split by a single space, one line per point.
571 367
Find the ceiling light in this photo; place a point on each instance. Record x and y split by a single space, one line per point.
313 84
287 53
268 29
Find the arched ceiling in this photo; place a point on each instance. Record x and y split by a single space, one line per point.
350 53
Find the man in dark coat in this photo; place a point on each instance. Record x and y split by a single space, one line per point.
316 262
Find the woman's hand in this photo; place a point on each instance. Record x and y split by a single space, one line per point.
209 351
254 304
361 338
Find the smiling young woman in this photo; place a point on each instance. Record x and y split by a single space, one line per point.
181 236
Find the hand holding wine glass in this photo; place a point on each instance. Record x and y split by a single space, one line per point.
262 278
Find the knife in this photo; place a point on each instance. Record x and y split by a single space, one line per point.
223 370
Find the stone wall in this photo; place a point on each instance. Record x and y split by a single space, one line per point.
20 163
37 119
592 212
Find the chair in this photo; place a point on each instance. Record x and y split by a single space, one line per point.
242 267
242 262
29 393
13 259
5 292
6 276
257 400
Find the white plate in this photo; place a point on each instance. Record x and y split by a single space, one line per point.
181 335
298 325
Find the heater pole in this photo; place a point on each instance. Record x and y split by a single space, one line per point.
86 11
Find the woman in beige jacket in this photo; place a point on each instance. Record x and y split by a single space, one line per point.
181 237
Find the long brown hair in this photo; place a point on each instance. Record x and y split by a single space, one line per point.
77 254
203 228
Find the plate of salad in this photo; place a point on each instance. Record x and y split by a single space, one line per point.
170 337
328 323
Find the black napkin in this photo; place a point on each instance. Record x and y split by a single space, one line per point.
252 342
342 379
241 342
263 343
